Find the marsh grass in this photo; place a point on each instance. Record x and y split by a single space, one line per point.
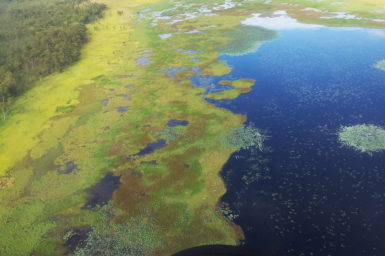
246 39
224 95
65 109
365 137
133 237
170 133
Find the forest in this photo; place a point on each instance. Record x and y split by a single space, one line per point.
38 38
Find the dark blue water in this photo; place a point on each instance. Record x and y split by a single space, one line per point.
306 194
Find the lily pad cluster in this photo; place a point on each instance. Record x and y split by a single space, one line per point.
364 137
246 137
133 237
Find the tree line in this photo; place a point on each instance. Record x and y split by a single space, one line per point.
37 38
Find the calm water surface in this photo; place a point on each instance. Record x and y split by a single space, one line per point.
306 194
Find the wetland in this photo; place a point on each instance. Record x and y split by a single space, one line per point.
186 123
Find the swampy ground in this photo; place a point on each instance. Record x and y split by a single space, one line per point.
132 124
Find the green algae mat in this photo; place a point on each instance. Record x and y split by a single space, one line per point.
366 138
120 150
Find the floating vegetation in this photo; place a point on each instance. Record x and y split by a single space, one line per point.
227 212
246 137
381 65
363 137
133 237
246 39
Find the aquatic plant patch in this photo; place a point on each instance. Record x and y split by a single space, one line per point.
366 138
246 137
132 237
380 65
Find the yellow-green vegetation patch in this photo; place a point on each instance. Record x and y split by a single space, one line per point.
224 95
219 68
366 138
381 65
243 83
241 86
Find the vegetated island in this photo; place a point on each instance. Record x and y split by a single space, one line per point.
241 86
366 138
